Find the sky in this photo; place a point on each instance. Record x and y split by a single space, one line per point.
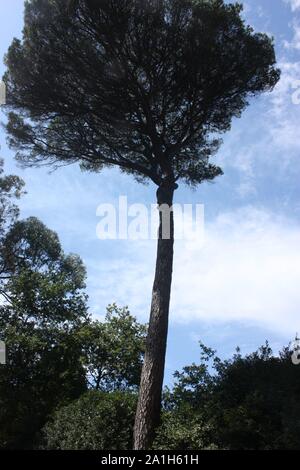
241 286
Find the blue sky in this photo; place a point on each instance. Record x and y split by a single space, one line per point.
242 286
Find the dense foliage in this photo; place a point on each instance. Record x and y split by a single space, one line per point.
44 305
80 86
113 350
98 420
243 403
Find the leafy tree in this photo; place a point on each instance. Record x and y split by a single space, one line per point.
113 350
257 402
11 187
44 306
32 256
51 341
183 429
247 403
96 421
148 86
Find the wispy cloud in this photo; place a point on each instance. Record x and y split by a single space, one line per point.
247 270
294 4
284 113
295 42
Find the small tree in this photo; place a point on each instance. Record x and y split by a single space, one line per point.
11 188
113 350
145 85
96 421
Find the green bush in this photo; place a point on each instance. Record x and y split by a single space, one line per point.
96 421
184 429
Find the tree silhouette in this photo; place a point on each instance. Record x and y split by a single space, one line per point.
147 85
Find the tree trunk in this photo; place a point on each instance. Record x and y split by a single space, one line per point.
149 401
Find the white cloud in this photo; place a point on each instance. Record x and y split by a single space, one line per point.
283 116
295 42
266 141
295 4
247 270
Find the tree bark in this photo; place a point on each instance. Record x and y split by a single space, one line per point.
149 401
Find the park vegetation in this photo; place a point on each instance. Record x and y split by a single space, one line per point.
71 381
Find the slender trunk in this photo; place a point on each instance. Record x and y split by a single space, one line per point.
149 402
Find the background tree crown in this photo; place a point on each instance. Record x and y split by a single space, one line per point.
11 188
147 85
